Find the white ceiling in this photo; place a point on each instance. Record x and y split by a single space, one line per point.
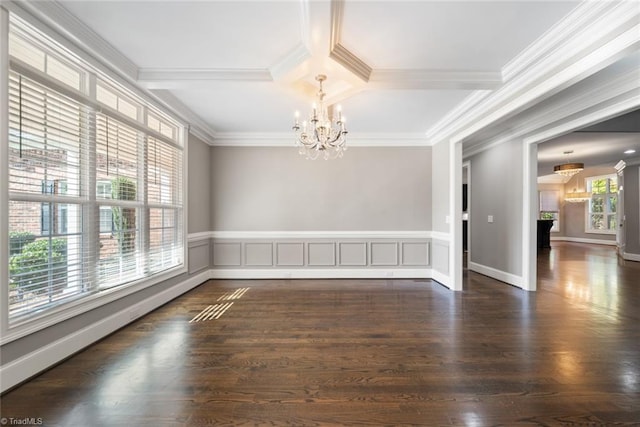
397 67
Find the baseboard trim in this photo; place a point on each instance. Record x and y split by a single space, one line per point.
583 240
503 276
322 273
630 257
441 278
31 364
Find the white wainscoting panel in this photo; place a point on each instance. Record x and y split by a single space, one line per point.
320 253
440 256
199 256
415 253
227 254
317 254
352 253
289 254
384 253
258 254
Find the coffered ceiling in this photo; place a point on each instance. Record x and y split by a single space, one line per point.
244 67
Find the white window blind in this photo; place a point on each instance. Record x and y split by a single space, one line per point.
549 201
95 181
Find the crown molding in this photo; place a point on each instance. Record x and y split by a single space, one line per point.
335 23
562 30
617 95
619 167
280 139
197 126
435 79
63 22
439 128
66 26
351 62
600 33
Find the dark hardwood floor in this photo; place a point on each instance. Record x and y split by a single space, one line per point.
367 352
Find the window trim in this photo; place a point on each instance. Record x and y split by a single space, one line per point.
4 174
587 205
22 327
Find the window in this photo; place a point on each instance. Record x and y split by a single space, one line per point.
58 222
95 194
550 207
602 208
103 191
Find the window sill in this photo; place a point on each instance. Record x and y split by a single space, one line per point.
605 232
33 324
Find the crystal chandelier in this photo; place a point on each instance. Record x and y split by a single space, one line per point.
322 133
577 196
568 169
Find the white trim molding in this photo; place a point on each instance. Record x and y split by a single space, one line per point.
248 235
439 235
592 36
4 166
503 276
282 139
50 15
441 278
630 257
584 240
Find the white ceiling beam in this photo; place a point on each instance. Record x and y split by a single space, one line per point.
337 51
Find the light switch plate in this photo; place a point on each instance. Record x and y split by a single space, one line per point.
490 219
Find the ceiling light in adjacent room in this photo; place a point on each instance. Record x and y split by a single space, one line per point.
631 151
577 196
568 169
324 132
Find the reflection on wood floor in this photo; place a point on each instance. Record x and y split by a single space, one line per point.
368 352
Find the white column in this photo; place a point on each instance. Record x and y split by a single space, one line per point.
529 215
455 212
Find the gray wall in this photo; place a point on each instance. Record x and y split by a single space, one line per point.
496 179
199 185
276 189
573 218
632 209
